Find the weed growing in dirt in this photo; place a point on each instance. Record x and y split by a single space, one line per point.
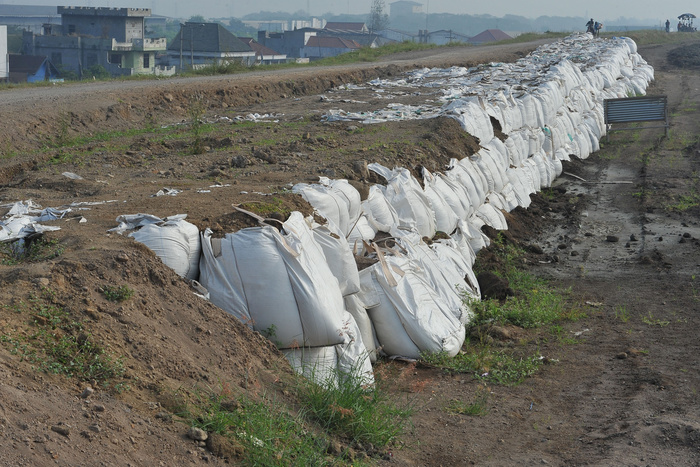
651 321
57 343
115 293
621 313
34 251
477 407
195 113
353 410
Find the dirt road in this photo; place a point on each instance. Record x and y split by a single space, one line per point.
624 237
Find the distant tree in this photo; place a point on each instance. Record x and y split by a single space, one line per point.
238 28
378 19
197 19
97 72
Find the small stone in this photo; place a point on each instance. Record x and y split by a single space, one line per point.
61 429
197 434
633 238
661 239
240 162
98 408
87 392
42 282
612 238
96 428
123 258
621 356
352 128
574 253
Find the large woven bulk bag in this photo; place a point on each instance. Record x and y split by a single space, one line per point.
176 242
239 270
329 203
381 215
339 258
445 217
355 306
406 195
444 277
410 317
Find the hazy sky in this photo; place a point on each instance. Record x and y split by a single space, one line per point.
654 10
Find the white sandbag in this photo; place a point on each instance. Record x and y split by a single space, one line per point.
381 215
242 268
329 203
339 259
443 276
492 217
362 231
456 195
410 318
176 243
352 197
406 195
445 217
318 364
355 306
449 251
354 361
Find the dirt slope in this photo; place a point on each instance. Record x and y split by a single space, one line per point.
624 394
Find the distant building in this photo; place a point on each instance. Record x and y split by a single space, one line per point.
405 8
322 46
442 37
31 69
397 36
289 43
113 38
200 44
263 55
273 26
4 67
356 28
28 17
489 35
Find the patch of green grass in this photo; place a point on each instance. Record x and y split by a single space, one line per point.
267 433
115 293
272 205
354 411
535 302
34 251
368 54
486 363
270 434
57 343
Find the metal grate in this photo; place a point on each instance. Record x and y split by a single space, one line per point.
636 109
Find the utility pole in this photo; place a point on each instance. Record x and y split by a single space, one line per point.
182 32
